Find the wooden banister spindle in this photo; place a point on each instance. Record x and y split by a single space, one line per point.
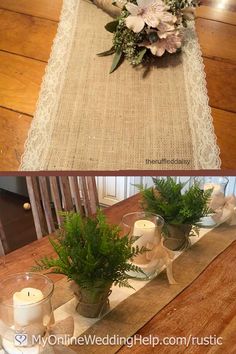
2 252
35 201
84 190
56 198
75 191
67 201
3 241
65 193
93 195
43 186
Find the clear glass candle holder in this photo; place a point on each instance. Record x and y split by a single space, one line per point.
25 312
147 227
218 186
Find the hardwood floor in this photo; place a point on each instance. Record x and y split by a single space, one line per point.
27 29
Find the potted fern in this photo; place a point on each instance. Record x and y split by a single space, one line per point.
93 256
181 210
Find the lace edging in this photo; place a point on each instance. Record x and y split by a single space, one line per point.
38 141
206 151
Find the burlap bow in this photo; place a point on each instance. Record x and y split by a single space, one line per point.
162 257
109 7
225 209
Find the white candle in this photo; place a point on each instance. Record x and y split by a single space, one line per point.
24 315
146 230
216 187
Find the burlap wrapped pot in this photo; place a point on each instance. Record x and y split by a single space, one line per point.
92 302
177 237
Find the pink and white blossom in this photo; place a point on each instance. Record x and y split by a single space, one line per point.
149 12
164 29
170 44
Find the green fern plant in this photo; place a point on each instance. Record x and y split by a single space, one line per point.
91 252
167 199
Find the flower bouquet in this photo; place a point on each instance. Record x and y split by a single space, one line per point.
148 28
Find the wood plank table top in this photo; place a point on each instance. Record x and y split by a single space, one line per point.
27 29
207 307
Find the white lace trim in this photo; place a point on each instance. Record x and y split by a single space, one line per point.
41 129
206 152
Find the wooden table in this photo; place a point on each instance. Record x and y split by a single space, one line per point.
27 29
204 308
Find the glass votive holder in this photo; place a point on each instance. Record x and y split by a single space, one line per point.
147 228
218 186
25 312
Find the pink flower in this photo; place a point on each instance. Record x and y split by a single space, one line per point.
164 28
170 44
148 12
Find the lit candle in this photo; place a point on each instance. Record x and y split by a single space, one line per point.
24 315
146 230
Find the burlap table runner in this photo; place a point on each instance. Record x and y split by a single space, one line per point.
136 310
87 119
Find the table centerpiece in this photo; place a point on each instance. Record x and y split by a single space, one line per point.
181 210
93 256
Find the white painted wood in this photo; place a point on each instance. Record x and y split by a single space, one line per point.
111 189
114 189
231 187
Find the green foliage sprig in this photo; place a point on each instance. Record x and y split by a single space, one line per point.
167 199
125 42
176 6
90 250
